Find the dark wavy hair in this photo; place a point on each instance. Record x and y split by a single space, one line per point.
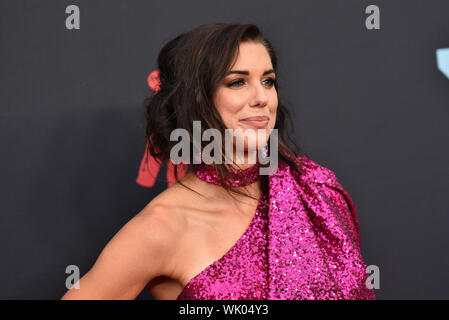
191 67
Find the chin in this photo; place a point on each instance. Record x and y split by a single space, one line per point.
253 144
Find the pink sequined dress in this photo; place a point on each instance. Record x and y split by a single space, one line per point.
304 246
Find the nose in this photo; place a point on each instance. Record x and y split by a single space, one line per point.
260 97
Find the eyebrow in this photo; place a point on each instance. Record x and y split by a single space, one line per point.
247 72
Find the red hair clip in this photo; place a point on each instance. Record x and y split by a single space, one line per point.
153 81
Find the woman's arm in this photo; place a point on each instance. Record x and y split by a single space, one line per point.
143 249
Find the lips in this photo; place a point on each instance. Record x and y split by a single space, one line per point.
258 122
258 118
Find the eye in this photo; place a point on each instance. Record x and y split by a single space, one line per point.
233 84
270 82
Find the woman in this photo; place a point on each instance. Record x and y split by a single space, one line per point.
225 231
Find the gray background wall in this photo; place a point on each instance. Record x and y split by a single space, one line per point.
368 104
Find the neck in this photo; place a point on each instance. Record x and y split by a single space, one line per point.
217 194
241 163
243 177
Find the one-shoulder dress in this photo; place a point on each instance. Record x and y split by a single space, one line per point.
303 245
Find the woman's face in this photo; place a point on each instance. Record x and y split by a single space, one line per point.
248 91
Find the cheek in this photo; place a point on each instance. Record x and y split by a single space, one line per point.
228 108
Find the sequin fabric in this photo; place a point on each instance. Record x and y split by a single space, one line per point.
304 246
238 178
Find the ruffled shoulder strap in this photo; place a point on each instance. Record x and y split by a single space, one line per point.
313 222
320 176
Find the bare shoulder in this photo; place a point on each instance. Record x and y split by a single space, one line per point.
166 218
177 198
163 224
